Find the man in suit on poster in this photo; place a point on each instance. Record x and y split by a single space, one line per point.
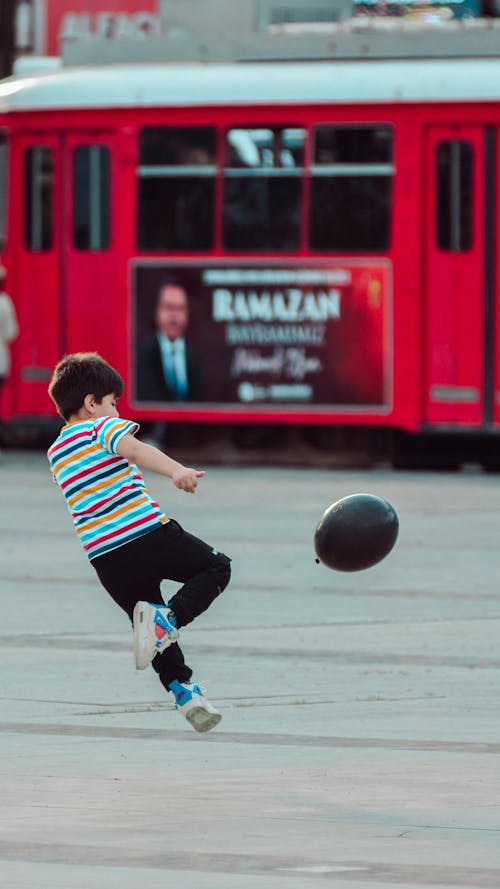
168 366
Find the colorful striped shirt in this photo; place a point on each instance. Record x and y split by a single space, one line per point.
106 494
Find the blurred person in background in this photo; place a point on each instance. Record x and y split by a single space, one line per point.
8 332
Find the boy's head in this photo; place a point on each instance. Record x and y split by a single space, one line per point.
79 375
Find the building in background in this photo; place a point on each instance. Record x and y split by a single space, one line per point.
91 31
7 14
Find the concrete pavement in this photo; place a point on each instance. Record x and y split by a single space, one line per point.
360 740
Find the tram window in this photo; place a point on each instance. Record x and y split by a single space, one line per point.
176 180
351 187
454 195
3 189
262 188
38 198
353 145
91 200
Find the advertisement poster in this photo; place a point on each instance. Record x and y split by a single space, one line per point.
83 19
302 336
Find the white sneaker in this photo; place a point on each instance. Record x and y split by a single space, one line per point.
190 700
154 630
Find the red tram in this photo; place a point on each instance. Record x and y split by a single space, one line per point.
334 225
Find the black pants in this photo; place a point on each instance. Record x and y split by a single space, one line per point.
133 573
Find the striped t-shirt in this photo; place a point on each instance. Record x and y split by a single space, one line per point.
105 493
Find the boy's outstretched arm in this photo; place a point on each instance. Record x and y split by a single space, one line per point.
148 457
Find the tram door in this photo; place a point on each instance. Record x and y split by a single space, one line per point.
90 282
35 275
457 278
66 286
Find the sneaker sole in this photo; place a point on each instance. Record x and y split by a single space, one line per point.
202 720
139 620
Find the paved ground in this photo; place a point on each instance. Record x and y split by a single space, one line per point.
361 734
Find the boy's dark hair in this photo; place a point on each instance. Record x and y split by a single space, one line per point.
81 374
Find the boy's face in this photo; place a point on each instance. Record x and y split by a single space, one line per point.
107 407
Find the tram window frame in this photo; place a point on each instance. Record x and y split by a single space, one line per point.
4 184
263 174
354 173
176 179
39 173
91 222
454 195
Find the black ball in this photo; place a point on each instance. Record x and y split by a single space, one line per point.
356 532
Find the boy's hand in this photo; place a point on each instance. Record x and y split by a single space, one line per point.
187 479
151 458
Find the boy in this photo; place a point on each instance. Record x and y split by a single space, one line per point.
130 542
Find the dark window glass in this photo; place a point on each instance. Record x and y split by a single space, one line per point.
351 188
175 214
38 198
350 213
3 189
91 197
353 145
177 146
262 188
454 195
176 188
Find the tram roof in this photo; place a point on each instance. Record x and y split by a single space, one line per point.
288 83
